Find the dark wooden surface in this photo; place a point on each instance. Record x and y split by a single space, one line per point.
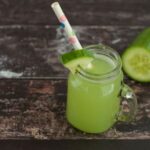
75 144
34 50
33 105
35 109
99 12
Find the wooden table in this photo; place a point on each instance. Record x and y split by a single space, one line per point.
32 106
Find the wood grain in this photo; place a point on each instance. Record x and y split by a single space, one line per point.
34 50
99 12
35 109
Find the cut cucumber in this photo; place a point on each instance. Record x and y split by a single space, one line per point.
136 58
142 40
75 58
136 63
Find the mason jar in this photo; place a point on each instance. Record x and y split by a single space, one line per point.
97 96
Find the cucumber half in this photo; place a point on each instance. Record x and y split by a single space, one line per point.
73 59
136 63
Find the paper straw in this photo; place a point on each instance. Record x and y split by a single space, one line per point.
72 38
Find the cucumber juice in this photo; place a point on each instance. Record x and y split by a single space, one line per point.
93 98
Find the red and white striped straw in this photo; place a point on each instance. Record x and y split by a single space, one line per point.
72 38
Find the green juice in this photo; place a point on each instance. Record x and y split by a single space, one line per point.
92 105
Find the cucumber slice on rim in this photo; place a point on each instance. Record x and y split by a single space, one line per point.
73 59
136 63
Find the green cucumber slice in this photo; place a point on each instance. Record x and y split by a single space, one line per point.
136 58
73 59
136 63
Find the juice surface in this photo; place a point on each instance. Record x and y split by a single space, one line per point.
92 106
100 65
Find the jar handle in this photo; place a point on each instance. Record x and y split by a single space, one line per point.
128 107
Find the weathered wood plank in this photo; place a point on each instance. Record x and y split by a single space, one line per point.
99 12
35 109
33 50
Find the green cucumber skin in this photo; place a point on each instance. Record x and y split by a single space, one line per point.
65 58
142 40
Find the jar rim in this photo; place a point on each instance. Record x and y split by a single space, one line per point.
107 51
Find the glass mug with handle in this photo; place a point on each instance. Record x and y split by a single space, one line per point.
95 93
